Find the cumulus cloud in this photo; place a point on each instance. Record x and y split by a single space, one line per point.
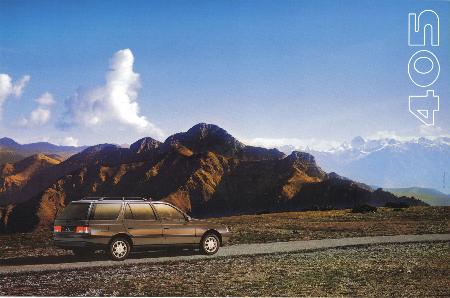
38 117
45 99
115 101
69 141
41 115
9 88
20 85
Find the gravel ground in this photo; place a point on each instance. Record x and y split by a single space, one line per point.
414 270
52 263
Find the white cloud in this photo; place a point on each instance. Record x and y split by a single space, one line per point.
298 144
45 99
69 141
430 131
8 88
19 86
38 117
389 134
287 144
116 101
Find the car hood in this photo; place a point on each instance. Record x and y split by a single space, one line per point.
206 223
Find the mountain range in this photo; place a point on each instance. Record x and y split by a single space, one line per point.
204 171
11 151
391 163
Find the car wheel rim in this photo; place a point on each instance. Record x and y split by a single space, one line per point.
119 249
211 244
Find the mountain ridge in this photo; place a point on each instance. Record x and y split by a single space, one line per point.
11 151
204 171
390 163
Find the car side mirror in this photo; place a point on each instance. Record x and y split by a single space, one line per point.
188 218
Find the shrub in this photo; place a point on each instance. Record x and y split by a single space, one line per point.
364 209
396 205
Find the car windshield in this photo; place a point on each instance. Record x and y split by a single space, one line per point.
75 211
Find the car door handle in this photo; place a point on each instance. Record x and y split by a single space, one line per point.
166 228
131 228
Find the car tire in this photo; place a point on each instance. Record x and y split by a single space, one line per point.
119 249
210 244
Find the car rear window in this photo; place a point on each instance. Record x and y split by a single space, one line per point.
106 211
140 212
75 211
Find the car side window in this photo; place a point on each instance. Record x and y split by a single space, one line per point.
139 212
167 212
128 214
106 211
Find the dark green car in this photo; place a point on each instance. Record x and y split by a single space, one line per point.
118 225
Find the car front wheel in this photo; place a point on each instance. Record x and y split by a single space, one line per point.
119 249
210 244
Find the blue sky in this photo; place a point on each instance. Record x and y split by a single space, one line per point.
301 71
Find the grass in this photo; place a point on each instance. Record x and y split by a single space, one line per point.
414 270
281 227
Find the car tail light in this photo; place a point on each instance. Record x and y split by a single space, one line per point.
57 229
83 230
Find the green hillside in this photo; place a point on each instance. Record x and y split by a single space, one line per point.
428 195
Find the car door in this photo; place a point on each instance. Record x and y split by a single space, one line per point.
142 224
176 227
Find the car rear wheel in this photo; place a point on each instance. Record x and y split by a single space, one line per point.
119 249
210 244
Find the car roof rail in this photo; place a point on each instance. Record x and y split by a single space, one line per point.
118 198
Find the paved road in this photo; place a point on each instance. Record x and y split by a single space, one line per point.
70 263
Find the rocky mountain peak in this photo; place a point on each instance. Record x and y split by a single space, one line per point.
306 163
357 142
334 175
145 145
207 137
102 153
303 157
203 129
98 148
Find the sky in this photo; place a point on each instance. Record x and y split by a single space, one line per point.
269 72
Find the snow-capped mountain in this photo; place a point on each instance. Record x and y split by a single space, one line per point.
391 163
